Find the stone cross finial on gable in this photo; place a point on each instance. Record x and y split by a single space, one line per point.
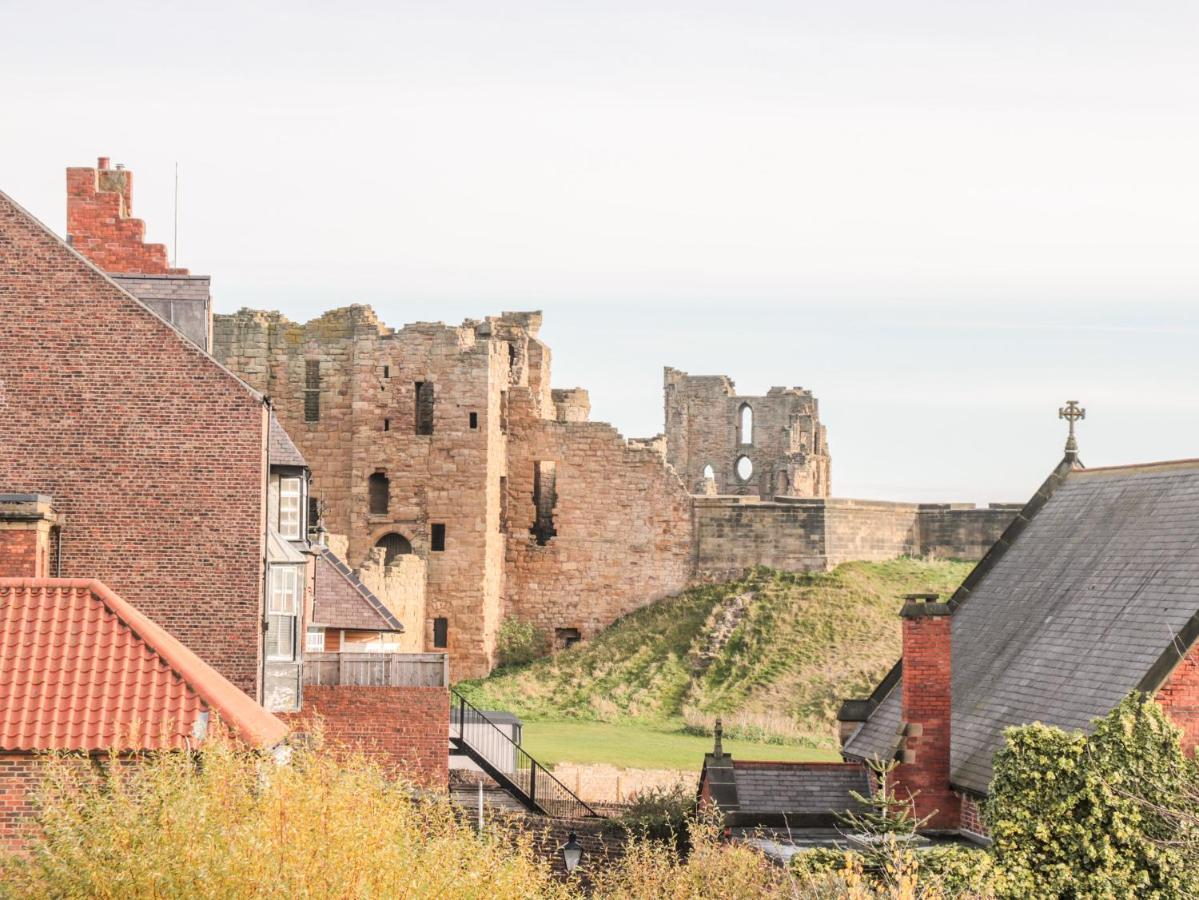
718 750
1072 413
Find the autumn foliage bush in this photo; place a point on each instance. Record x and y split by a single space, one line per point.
229 823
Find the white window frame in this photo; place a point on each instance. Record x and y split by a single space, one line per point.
315 640
285 590
291 513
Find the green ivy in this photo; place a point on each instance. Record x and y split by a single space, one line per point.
1074 816
519 642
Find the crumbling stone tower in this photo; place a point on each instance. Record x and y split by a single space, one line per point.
771 446
447 444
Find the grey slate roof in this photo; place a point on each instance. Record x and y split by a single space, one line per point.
342 601
164 287
283 451
800 788
1082 608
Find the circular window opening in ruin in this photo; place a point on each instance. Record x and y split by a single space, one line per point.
393 545
745 468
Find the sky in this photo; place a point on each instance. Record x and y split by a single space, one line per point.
944 218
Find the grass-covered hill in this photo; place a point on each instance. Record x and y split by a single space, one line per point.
772 653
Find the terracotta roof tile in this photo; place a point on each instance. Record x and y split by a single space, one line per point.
81 669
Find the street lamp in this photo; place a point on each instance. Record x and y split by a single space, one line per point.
572 853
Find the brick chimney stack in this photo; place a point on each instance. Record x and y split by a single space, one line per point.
927 701
27 542
100 222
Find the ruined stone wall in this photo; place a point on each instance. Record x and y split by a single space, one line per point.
623 519
622 523
444 482
786 446
401 586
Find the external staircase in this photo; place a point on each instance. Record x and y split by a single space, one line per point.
489 747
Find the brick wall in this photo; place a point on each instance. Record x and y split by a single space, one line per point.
1179 697
19 554
972 816
405 728
927 689
100 223
20 776
152 453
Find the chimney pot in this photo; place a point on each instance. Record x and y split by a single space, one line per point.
102 163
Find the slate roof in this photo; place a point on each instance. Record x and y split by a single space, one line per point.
750 793
781 787
342 601
81 669
164 287
283 451
1096 597
280 550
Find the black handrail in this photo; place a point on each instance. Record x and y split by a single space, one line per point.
509 765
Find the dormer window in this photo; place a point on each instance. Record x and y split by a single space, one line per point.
290 507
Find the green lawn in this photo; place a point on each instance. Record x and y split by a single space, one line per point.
644 746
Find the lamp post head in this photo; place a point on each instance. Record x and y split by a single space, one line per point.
572 853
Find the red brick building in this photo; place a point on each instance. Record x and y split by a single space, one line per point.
1092 593
82 670
155 455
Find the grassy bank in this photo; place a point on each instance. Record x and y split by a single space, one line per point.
801 643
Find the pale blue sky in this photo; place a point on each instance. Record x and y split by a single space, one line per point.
944 218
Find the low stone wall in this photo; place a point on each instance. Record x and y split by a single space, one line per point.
870 530
609 784
962 531
405 728
733 534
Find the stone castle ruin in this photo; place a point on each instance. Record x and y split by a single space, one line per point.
445 451
722 443
466 489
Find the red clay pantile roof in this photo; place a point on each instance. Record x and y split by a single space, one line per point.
81 669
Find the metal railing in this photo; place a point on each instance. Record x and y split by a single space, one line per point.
504 760
377 669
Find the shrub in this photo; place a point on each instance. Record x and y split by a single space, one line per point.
519 642
227 823
1075 816
652 869
662 814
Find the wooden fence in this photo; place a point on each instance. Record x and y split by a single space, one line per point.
377 669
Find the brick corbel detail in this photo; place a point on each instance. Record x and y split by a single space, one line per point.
100 223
